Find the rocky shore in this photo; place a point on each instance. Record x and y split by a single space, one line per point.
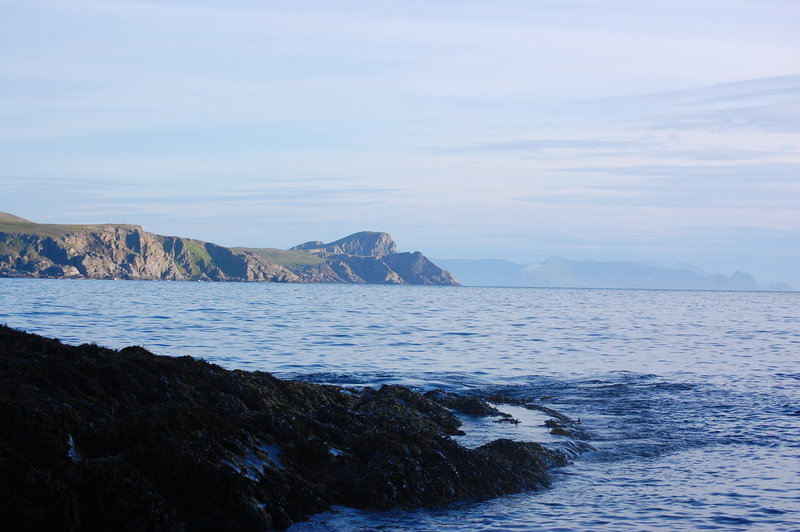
99 439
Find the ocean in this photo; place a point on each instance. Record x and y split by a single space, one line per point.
691 399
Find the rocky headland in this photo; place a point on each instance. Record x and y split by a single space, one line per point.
99 439
121 251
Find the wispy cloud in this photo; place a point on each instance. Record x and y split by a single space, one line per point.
769 104
777 118
261 122
539 145
752 173
653 147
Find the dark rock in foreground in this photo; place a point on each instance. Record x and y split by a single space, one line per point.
97 439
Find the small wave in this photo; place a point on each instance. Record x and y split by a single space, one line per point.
731 520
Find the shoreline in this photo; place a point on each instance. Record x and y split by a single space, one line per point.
173 442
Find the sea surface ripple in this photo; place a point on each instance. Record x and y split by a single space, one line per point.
691 399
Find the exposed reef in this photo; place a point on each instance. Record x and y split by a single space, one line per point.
98 439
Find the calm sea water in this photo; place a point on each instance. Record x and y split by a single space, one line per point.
692 399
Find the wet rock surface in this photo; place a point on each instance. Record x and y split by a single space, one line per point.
98 439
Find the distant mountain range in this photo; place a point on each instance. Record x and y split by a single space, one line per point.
559 272
121 251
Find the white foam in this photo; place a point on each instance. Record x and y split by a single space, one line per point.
482 430
255 460
336 452
73 452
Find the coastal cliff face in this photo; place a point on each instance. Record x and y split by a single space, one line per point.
371 257
129 252
363 244
28 249
97 439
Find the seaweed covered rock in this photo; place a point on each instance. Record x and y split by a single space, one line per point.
470 405
98 439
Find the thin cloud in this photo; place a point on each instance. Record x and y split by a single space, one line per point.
773 172
304 194
781 118
732 92
538 145
426 119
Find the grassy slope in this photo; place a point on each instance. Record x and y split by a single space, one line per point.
198 255
14 224
283 257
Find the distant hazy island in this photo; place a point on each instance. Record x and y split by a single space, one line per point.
121 251
559 272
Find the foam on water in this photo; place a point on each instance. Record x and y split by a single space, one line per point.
691 400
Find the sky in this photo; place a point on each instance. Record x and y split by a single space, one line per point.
664 132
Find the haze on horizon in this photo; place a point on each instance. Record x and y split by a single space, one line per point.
589 129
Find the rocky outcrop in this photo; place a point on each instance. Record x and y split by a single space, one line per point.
356 269
363 244
417 269
370 257
28 249
129 252
97 439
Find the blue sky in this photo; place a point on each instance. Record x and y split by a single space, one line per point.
607 130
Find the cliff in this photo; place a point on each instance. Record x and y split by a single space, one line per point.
363 244
97 439
371 257
120 251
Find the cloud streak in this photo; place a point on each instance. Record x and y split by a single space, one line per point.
506 129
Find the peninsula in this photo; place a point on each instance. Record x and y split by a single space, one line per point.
122 251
